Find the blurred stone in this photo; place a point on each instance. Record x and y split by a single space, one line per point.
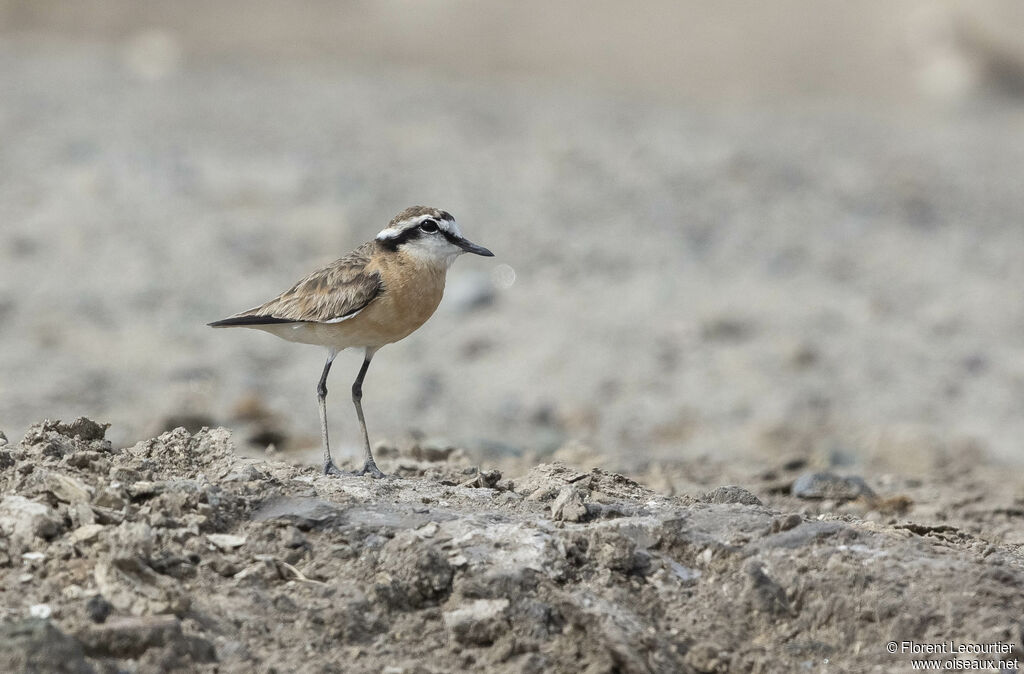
111 497
477 623
56 439
38 646
133 587
142 489
226 542
731 494
129 636
762 593
483 479
82 459
86 533
476 347
413 575
546 480
726 329
41 611
785 523
251 408
304 513
23 520
67 488
804 356
267 436
568 506
84 429
98 608
830 486
431 450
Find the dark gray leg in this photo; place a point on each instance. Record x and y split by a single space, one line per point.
370 466
321 397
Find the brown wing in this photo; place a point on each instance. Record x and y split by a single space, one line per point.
340 289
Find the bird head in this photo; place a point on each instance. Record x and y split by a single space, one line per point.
429 234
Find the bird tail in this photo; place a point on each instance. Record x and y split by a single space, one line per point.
243 321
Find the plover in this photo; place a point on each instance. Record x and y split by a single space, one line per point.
376 295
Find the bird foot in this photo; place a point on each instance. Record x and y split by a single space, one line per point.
331 469
369 468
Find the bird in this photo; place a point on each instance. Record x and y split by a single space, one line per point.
378 294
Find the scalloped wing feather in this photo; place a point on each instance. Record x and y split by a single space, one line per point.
339 290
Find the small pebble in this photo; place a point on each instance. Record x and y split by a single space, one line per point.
830 486
98 608
41 611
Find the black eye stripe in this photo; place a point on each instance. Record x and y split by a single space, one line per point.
413 233
404 237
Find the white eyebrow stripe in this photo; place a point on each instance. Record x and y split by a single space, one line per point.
399 227
389 233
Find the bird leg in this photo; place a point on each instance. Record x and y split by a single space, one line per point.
321 397
369 466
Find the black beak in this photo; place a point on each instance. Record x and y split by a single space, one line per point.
470 247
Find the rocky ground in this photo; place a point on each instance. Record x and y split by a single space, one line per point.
175 553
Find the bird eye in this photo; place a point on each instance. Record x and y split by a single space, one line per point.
428 226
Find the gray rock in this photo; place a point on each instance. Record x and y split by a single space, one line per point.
413 575
83 429
129 636
807 533
86 533
24 520
761 592
97 608
111 497
66 487
38 646
830 486
477 623
133 587
785 523
226 542
568 506
305 513
731 494
57 439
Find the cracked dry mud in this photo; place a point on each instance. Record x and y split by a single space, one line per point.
176 554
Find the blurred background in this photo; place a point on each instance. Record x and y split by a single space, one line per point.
727 230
